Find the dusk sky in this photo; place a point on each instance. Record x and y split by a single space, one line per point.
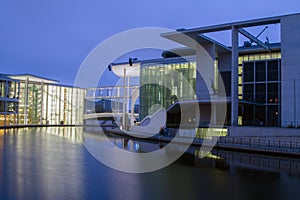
51 38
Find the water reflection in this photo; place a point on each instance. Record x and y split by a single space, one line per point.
72 133
33 163
53 164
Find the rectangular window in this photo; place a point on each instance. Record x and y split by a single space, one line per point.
248 92
2 106
260 93
248 72
272 115
273 70
260 71
273 93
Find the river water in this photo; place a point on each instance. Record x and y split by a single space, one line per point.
53 163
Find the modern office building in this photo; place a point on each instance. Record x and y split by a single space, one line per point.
261 78
28 99
264 78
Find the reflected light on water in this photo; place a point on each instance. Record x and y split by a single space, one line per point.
44 163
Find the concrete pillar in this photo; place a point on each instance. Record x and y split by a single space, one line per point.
290 70
234 76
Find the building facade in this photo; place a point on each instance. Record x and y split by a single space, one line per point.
166 81
31 100
261 80
9 100
258 92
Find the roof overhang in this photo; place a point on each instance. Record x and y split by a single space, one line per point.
129 71
196 34
190 39
228 26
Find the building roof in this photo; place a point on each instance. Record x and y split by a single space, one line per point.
33 78
196 34
228 26
6 77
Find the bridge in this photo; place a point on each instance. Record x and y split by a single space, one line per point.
117 102
105 115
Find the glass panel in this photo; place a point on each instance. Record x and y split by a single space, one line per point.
260 95
248 72
2 88
273 116
248 92
260 71
162 76
273 93
273 70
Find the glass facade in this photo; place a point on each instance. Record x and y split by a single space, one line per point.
258 90
261 90
9 100
42 103
164 84
245 67
26 102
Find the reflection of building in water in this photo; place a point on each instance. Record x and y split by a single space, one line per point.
73 133
31 99
257 162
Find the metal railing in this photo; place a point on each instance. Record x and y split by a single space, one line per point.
285 145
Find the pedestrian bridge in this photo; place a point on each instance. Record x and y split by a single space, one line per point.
105 115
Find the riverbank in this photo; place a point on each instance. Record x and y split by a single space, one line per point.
280 146
268 145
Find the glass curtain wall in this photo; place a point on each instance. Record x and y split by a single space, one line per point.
163 84
261 89
42 103
9 94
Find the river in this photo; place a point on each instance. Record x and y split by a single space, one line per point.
53 163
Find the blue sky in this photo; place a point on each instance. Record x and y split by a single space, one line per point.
51 38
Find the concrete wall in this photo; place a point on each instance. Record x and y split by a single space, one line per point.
205 56
224 62
290 69
247 131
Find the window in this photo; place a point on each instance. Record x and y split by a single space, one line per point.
273 115
248 72
260 93
2 88
273 93
249 92
273 70
2 106
12 107
260 71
